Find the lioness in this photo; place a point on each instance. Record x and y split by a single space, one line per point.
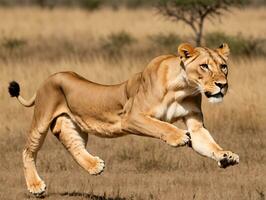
169 88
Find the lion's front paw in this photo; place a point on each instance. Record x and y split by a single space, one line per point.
37 188
227 158
177 140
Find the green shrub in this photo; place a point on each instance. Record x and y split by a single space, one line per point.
13 43
5 3
91 4
239 45
131 4
140 3
167 42
114 43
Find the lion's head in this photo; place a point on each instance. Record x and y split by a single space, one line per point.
206 69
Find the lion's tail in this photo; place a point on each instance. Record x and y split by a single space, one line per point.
14 91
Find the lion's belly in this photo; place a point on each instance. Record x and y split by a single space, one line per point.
108 127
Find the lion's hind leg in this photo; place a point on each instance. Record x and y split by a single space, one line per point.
34 142
74 140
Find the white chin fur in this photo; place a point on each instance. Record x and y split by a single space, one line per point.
215 100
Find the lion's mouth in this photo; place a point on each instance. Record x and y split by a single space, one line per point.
217 95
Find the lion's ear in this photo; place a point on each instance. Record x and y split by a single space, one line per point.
224 50
185 50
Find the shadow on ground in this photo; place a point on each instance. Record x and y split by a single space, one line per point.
78 194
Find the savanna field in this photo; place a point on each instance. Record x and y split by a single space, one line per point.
108 46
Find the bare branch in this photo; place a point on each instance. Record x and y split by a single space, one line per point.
194 12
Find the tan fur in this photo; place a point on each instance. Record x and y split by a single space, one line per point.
168 89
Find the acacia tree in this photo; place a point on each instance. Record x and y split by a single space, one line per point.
194 13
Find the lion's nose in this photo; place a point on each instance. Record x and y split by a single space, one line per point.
221 85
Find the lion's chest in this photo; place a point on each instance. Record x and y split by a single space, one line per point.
174 106
171 112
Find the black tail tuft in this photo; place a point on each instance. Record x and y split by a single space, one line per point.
13 89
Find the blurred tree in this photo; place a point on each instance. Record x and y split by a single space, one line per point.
195 12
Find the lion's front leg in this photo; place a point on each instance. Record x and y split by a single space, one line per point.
149 126
203 143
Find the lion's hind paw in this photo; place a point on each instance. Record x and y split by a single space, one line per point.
37 189
98 166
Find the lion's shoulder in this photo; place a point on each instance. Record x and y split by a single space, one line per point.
159 59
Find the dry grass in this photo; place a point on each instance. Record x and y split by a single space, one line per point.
136 168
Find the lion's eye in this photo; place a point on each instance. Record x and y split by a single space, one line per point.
204 66
223 67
